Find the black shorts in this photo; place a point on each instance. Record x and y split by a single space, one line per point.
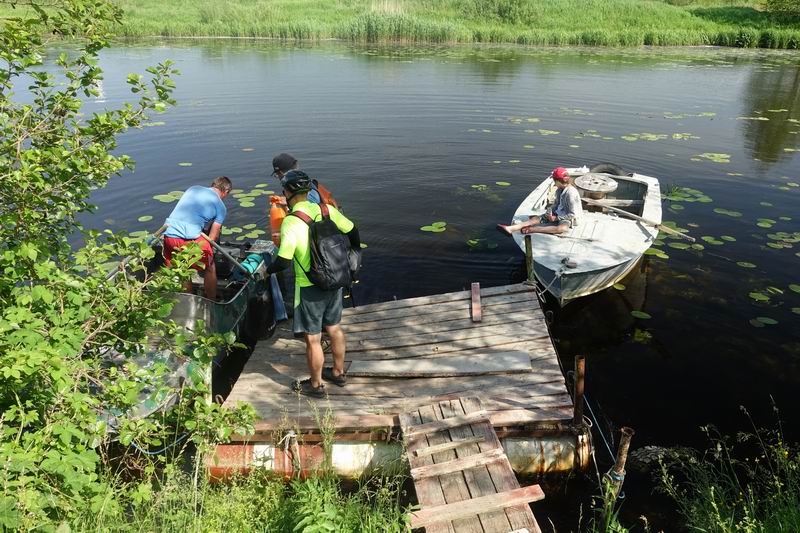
317 309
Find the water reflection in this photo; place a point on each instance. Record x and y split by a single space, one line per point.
601 320
772 125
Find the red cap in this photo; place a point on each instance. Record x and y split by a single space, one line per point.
560 173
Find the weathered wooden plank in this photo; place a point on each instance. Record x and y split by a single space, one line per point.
513 330
445 315
452 366
440 425
396 313
437 298
534 320
471 461
536 342
475 306
447 446
452 511
275 377
478 480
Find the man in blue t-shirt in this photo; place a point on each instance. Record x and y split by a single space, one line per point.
198 207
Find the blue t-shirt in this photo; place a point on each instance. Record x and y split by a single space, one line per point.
195 209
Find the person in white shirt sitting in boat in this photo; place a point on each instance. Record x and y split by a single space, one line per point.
565 212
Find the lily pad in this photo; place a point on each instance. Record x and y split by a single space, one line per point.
248 149
249 226
247 204
678 245
745 264
756 323
439 224
758 296
640 314
145 218
548 132
794 287
716 157
767 320
502 183
728 238
184 164
363 245
796 310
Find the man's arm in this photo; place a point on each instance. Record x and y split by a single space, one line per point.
216 228
355 239
278 264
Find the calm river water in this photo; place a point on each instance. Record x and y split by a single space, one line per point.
402 135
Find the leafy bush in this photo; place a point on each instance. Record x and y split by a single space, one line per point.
783 8
62 406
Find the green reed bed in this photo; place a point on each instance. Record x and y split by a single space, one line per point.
747 484
533 22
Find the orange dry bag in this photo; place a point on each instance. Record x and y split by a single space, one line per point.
277 212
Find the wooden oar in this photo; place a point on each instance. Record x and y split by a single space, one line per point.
125 261
228 256
656 225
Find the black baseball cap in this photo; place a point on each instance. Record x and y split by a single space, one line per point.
283 162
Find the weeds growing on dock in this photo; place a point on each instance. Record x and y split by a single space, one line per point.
554 23
750 483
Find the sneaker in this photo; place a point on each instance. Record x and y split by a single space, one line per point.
327 375
305 388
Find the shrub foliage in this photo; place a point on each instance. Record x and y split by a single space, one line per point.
63 408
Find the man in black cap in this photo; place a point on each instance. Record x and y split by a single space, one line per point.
284 162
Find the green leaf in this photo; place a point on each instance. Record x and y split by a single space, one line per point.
794 287
619 286
640 314
145 218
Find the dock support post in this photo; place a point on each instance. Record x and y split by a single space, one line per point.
577 396
529 260
617 473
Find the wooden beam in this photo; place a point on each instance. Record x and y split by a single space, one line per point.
450 366
447 423
451 511
462 463
447 446
476 302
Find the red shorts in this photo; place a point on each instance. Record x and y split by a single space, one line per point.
175 244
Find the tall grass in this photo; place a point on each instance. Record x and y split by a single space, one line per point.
555 22
747 484
257 502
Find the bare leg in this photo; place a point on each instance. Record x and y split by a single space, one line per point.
314 357
535 219
210 281
338 347
551 229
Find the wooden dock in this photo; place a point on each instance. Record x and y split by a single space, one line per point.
405 354
461 474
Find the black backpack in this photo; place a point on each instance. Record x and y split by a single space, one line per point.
330 265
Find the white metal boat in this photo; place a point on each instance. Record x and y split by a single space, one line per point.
606 244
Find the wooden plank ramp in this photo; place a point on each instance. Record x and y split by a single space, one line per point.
461 474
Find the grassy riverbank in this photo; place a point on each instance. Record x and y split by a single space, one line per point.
534 22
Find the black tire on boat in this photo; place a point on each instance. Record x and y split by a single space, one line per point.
607 168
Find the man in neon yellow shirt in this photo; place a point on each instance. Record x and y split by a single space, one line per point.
314 308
